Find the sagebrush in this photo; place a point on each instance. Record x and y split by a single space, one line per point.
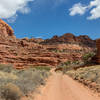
14 83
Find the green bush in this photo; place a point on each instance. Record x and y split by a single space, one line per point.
87 57
67 63
76 62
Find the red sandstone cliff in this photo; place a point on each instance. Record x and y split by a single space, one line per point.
5 29
70 38
33 52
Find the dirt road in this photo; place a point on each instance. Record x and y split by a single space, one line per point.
61 87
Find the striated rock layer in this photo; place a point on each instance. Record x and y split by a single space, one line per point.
72 39
23 53
5 29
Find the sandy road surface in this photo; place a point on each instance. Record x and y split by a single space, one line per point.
61 87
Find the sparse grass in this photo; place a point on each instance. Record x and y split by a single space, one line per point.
6 67
46 68
67 66
5 75
89 76
24 81
86 73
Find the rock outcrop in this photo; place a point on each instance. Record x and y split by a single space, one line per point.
5 29
96 58
70 38
23 53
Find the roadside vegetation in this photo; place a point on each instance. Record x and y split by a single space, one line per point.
41 68
17 83
89 76
87 58
74 65
67 66
84 71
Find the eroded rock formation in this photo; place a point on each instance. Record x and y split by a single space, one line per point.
5 29
72 39
26 52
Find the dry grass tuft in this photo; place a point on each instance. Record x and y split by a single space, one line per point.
11 92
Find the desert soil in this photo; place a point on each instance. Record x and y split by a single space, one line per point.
62 87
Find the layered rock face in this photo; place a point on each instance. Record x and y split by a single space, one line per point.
70 38
5 29
97 57
23 53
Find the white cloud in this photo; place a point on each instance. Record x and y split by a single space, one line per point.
95 12
78 9
94 8
9 8
94 3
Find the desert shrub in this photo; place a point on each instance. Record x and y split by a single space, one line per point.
26 80
11 92
91 74
29 80
67 66
76 62
63 68
2 98
87 57
5 75
67 63
47 68
6 68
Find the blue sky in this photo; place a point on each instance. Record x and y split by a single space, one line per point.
46 18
